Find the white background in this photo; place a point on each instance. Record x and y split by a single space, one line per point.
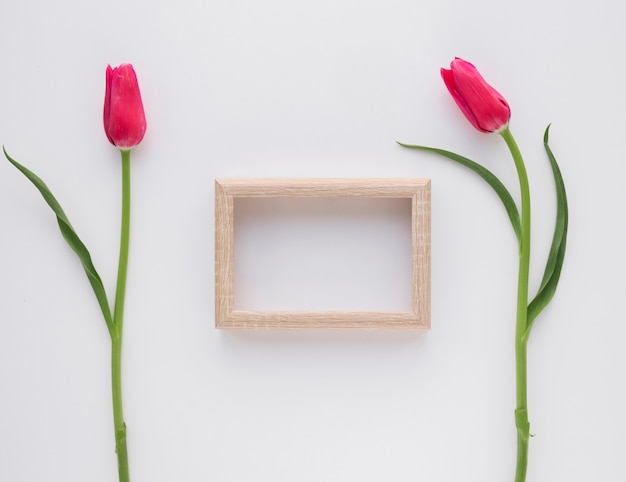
311 89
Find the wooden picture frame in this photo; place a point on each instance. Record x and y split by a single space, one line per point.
226 190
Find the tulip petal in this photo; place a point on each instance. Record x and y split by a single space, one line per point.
448 79
125 121
72 240
107 103
481 104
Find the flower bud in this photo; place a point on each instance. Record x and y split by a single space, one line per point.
124 118
483 106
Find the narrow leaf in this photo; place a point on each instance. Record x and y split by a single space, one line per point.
488 176
72 240
556 256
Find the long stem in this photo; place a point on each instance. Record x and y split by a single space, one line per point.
118 321
521 409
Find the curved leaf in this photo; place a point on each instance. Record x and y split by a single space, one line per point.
488 176
72 239
556 256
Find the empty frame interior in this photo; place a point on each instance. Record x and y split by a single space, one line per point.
227 190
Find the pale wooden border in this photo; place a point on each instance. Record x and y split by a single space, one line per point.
228 189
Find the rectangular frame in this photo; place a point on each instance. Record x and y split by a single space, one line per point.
226 190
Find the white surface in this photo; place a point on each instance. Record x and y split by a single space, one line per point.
309 89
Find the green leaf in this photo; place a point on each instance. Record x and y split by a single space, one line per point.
556 256
492 180
72 239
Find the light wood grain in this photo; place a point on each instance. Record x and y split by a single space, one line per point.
228 189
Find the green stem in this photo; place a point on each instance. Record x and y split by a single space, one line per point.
521 409
118 322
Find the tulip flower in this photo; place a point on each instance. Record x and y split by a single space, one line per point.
483 106
124 118
487 111
125 126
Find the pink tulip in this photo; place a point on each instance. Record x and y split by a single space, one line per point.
483 106
124 118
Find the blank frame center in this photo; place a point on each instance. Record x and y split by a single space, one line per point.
350 254
323 244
